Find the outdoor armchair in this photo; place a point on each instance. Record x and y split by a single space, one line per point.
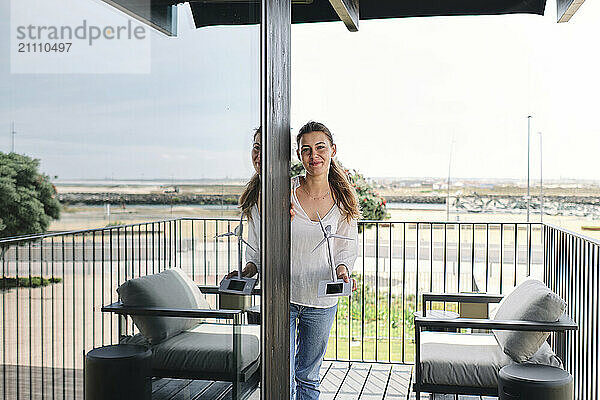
183 344
468 363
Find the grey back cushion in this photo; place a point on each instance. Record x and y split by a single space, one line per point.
169 289
532 300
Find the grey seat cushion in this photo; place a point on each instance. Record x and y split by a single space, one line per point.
469 359
532 300
171 288
205 348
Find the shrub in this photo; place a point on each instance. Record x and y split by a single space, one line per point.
34 282
27 198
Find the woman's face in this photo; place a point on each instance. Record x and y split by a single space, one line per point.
315 151
256 150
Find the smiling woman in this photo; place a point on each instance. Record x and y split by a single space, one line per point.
317 150
249 202
251 195
323 200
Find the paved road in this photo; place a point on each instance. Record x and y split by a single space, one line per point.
492 254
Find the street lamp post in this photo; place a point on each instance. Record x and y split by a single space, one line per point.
528 148
448 191
12 137
541 183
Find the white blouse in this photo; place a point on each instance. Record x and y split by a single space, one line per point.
254 238
308 268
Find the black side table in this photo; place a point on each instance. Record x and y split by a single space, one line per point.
534 382
118 372
253 314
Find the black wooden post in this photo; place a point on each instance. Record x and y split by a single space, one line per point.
275 200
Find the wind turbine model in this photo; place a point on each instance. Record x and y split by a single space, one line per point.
334 287
239 284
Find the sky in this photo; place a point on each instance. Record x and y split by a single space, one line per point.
403 97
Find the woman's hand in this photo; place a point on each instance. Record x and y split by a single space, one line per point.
232 274
248 272
342 273
292 212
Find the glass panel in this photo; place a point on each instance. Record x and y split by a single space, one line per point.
143 118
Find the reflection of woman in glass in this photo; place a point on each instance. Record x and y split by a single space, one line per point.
325 190
250 205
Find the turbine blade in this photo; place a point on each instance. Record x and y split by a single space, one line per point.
321 223
319 245
340 237
225 234
248 244
241 225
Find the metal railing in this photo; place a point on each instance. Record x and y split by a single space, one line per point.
47 330
571 269
48 326
400 260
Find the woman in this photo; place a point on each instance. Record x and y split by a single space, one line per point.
326 192
250 204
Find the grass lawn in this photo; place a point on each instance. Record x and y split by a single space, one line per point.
365 350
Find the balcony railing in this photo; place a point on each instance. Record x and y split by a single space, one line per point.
571 269
401 260
47 330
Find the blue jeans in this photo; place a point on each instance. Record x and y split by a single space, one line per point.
309 334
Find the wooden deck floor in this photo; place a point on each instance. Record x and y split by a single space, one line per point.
339 381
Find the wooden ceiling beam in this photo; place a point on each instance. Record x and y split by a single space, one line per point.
348 12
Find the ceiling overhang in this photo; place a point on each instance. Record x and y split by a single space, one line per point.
208 13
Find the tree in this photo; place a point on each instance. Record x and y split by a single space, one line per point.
27 198
372 205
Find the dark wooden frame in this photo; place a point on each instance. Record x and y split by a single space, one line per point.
564 324
244 382
161 16
276 22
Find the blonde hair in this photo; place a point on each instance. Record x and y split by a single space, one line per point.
344 194
252 191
